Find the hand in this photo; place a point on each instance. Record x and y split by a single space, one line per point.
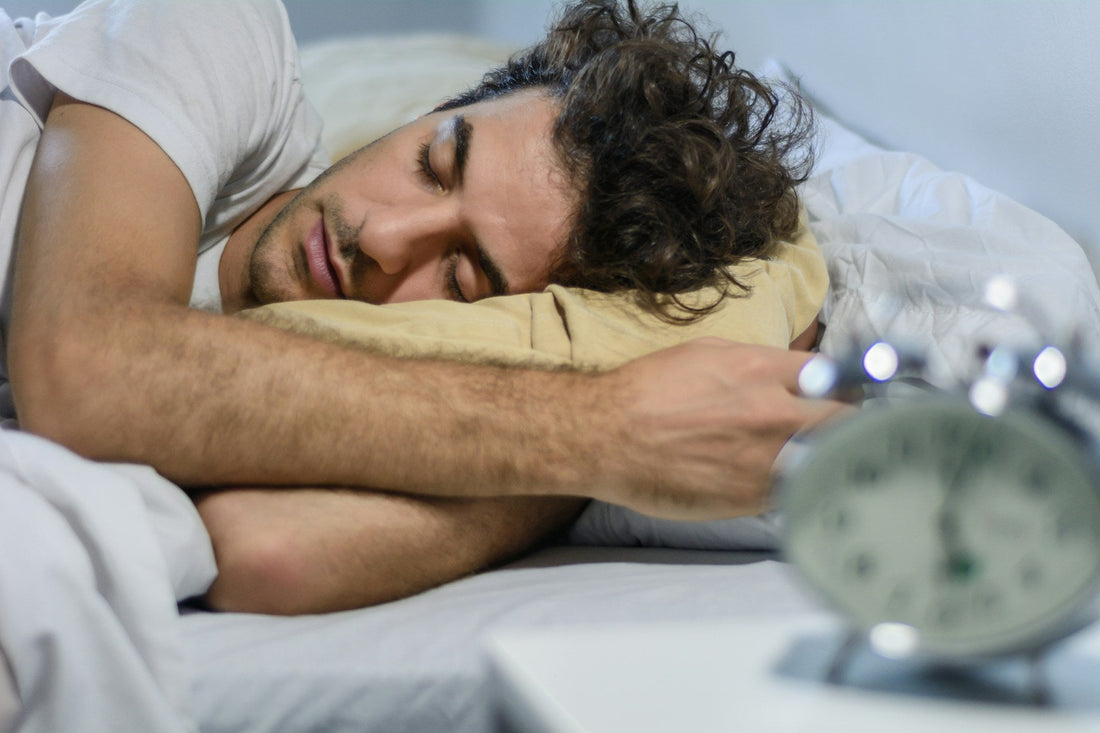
703 423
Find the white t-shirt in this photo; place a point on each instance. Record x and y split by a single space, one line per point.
216 83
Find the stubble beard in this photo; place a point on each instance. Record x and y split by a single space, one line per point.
271 276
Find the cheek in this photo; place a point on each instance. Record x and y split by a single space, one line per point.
546 245
370 179
536 226
549 211
353 167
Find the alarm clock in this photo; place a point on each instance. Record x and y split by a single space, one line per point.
955 525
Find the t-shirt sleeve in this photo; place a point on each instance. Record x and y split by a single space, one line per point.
215 83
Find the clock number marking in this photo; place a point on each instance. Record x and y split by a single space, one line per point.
1038 481
903 449
863 565
989 602
1031 575
863 473
836 520
949 615
1069 527
899 600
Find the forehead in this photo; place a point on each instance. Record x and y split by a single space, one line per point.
515 192
532 105
515 128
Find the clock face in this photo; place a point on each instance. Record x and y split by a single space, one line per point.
981 533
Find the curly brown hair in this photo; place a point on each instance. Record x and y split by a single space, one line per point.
685 163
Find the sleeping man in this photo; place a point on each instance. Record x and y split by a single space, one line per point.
163 171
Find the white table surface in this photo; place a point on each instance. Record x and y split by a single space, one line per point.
766 675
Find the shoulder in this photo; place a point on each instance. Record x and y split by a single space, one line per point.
161 33
120 42
212 82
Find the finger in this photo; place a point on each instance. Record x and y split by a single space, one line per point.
819 411
823 377
764 364
817 377
789 369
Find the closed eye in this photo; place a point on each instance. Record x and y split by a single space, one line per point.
453 288
424 166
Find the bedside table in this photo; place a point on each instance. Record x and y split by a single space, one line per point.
752 676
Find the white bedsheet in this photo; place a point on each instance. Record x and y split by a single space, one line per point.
418 665
93 560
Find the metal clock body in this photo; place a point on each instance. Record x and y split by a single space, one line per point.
942 532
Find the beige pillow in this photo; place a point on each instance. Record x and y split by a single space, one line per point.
569 327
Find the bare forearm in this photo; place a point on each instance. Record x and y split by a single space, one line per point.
310 551
210 400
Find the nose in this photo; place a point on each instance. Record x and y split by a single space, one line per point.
401 239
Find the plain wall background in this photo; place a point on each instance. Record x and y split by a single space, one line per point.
1007 91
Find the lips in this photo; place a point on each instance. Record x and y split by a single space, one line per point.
321 269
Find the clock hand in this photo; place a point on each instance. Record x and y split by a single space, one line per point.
958 563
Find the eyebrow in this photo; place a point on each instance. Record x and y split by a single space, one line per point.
463 132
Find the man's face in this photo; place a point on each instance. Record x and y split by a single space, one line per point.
461 204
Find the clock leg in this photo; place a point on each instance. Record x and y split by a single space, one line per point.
1038 691
834 674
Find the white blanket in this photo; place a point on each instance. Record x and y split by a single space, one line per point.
94 558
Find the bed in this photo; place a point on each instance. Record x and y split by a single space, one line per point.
909 246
